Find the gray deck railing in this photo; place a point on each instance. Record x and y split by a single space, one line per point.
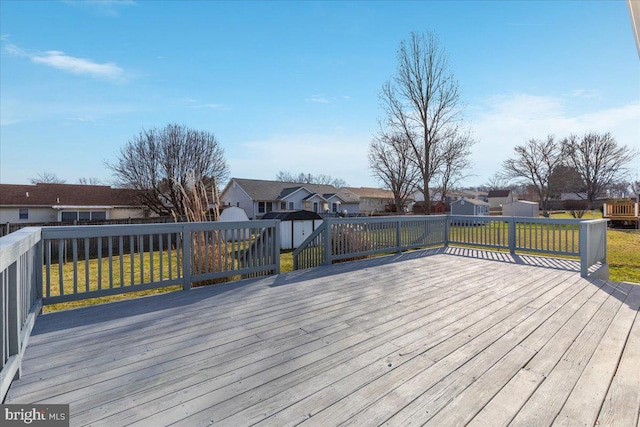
20 274
47 265
94 261
348 238
351 238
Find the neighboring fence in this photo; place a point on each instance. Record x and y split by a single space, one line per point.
20 274
339 239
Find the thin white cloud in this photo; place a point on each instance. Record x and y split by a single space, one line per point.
320 98
61 61
502 122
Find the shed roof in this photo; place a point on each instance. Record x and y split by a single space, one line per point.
291 215
523 202
498 193
476 202
66 195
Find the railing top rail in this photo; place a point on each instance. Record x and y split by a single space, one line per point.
15 244
389 218
79 231
497 218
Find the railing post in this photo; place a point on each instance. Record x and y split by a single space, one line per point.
327 242
186 256
14 313
398 238
276 246
447 225
512 236
583 245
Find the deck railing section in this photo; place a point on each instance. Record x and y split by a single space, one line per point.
593 244
627 209
349 238
20 270
88 262
352 238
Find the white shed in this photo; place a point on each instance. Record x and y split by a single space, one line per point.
295 226
521 208
234 214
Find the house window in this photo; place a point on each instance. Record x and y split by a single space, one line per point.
307 205
334 207
69 216
315 206
97 216
24 214
291 206
283 205
269 206
262 207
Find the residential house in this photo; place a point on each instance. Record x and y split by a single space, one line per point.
497 198
375 199
473 207
257 197
66 202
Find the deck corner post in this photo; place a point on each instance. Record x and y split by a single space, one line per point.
583 248
186 256
512 236
447 225
398 238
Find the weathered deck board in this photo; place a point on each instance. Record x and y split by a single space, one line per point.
427 337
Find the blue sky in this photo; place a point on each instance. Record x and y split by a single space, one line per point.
294 86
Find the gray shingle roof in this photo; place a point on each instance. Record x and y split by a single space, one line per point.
277 190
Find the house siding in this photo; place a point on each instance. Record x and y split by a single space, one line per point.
235 196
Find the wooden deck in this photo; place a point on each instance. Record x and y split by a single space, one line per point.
432 337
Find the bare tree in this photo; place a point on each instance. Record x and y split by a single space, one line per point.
533 164
454 162
564 179
390 162
422 102
47 178
599 160
497 181
159 162
89 181
307 178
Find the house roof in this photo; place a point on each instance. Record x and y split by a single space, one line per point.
66 195
371 193
476 202
278 190
498 193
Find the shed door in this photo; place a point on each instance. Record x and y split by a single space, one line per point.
301 230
